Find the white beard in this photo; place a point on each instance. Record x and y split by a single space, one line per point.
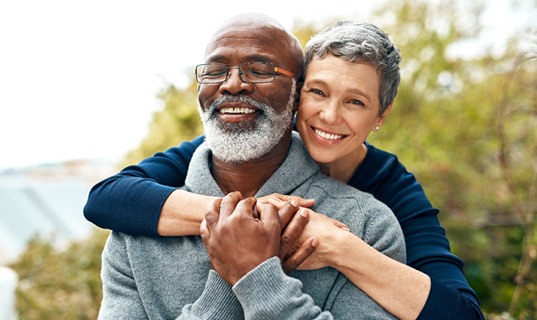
235 143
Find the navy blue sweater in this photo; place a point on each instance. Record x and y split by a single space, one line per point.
131 201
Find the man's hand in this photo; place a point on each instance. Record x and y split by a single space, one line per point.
239 237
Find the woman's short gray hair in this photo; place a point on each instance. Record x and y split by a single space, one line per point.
360 42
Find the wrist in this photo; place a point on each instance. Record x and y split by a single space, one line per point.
333 247
344 243
182 213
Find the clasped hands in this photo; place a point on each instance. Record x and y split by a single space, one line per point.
241 233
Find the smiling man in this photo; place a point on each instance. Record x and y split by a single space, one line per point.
247 96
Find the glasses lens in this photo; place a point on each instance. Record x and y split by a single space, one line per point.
258 72
211 73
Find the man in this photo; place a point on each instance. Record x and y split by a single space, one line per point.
247 97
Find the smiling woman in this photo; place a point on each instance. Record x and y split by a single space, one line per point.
338 109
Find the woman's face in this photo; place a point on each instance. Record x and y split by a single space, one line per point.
339 106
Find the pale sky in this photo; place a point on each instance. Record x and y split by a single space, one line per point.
79 79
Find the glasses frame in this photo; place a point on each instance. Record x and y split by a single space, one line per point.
277 71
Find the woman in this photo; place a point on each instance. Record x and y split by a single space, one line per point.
351 80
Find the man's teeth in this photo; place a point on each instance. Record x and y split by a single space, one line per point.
236 110
328 136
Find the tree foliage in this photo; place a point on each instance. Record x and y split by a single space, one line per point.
465 125
60 283
177 121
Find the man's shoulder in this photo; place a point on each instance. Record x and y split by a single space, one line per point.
346 203
147 244
367 217
337 189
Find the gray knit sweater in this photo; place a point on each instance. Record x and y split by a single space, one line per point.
170 277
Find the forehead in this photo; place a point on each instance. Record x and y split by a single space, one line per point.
241 43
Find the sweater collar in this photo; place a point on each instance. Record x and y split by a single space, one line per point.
297 167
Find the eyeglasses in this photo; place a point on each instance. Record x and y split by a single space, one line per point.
249 72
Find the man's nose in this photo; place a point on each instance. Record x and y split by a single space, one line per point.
234 83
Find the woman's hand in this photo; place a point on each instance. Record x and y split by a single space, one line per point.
327 233
304 233
279 200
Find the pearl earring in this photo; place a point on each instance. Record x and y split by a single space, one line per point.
377 128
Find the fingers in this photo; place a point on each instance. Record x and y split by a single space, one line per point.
269 216
280 199
287 212
229 203
292 263
293 231
306 203
247 208
340 224
211 214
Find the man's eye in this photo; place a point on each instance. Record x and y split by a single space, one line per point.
212 73
261 72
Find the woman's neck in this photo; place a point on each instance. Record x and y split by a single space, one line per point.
342 169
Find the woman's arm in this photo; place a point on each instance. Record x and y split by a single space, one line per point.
397 287
143 199
182 213
428 250
132 201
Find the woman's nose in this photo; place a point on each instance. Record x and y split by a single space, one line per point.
329 113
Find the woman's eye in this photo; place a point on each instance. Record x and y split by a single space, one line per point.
357 102
317 91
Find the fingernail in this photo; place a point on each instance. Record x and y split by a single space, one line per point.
294 203
304 212
345 228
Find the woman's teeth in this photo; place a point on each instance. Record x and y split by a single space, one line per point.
326 135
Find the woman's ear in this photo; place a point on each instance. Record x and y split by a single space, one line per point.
385 114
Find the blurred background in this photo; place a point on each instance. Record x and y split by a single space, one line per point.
88 87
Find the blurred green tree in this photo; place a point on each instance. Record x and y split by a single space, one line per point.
466 126
177 121
56 283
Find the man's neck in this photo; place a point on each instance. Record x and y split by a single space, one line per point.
248 177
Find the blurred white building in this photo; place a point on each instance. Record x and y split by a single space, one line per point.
8 283
45 201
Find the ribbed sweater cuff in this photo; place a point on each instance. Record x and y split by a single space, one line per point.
217 300
266 289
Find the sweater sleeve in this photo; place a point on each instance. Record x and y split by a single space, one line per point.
427 247
216 302
267 292
120 293
131 200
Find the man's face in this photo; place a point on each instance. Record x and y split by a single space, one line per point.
245 121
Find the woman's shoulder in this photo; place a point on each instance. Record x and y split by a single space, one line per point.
379 165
